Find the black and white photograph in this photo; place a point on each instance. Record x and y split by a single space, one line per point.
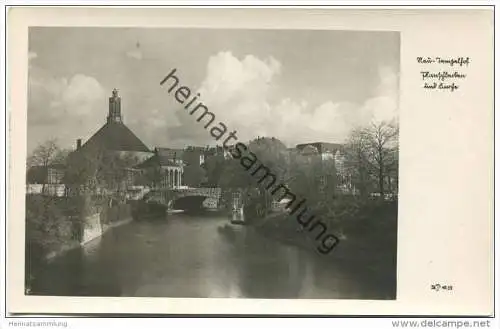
212 163
333 163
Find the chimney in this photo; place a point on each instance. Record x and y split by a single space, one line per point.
78 143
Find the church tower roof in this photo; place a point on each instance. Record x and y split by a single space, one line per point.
115 111
115 135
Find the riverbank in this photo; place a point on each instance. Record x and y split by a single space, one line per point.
58 225
65 249
368 240
70 245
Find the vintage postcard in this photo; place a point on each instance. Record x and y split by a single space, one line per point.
251 161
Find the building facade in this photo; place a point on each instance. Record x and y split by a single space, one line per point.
46 180
329 154
164 169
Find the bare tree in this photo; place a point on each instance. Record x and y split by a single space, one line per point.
382 140
357 162
373 155
45 155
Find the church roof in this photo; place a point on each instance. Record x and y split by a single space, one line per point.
115 136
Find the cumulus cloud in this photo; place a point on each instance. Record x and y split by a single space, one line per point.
239 93
229 79
152 125
384 106
67 107
75 96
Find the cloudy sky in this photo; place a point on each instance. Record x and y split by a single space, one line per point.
298 86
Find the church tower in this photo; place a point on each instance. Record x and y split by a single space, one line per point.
115 113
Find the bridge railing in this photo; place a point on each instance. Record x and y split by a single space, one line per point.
166 195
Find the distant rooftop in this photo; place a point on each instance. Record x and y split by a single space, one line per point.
322 147
170 153
157 160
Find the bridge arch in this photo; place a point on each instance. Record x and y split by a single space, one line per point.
187 203
180 198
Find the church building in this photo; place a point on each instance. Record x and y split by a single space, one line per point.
116 139
115 159
115 136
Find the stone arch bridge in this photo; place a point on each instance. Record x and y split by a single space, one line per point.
191 198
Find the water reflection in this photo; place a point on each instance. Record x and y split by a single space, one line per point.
195 256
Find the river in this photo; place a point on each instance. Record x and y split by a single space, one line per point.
190 256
